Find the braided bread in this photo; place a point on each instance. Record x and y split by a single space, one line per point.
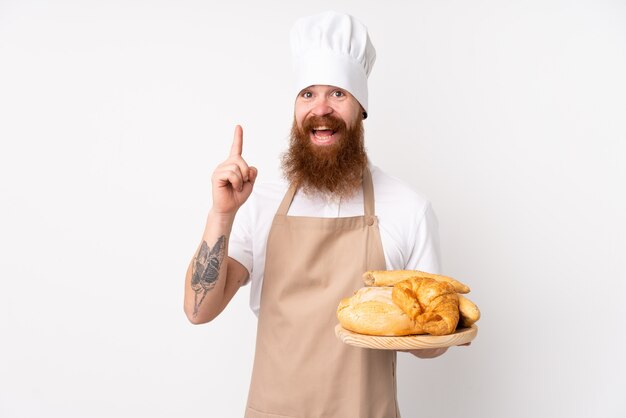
433 305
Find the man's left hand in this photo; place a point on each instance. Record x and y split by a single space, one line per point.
427 352
430 352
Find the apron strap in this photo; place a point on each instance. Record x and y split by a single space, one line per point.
368 196
368 193
284 205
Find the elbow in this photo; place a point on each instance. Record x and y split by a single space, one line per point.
197 318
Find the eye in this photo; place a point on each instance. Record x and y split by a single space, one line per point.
338 93
307 94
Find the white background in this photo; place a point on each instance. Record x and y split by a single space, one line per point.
509 116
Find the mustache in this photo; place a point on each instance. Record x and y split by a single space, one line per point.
332 122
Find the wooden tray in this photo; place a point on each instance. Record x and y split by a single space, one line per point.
410 342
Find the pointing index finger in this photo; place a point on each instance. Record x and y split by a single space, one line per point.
237 146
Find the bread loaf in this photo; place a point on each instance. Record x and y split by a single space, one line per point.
371 311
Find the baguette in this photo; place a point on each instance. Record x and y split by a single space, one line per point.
392 277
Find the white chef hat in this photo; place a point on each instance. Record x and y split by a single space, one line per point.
332 49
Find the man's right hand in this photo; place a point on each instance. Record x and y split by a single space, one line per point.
213 277
232 180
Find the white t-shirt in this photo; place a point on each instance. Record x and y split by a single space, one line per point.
407 223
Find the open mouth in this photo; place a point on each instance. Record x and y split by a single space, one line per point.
323 135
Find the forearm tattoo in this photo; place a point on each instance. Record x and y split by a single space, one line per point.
205 270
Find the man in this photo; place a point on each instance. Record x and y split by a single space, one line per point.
303 244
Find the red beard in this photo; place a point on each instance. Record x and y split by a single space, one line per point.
336 168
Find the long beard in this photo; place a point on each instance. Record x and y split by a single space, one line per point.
334 169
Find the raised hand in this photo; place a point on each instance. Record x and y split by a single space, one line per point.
232 180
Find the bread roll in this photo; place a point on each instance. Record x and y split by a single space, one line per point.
469 312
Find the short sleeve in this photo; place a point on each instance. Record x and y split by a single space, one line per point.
425 255
240 243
